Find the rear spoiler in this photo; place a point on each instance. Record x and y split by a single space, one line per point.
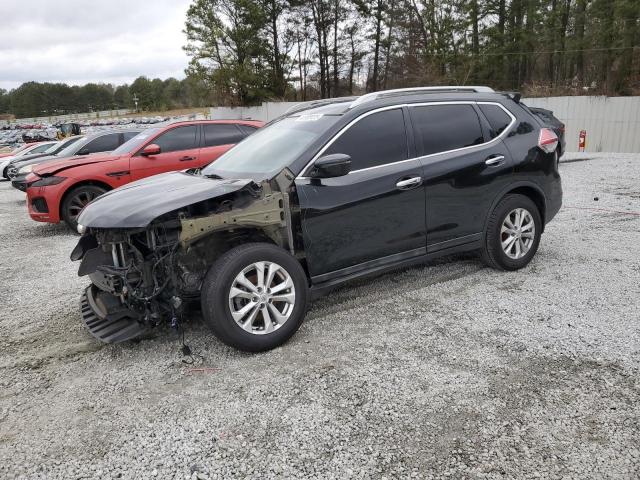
515 96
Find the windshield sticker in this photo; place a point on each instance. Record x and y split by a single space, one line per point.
311 117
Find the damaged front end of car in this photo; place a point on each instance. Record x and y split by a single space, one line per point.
144 275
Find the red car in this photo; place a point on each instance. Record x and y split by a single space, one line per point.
58 190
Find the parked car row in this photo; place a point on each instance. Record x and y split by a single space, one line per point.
333 190
15 133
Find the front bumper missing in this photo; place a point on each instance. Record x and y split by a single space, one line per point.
106 323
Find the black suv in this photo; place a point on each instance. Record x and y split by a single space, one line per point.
333 190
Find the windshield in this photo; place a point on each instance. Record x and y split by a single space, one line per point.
272 148
64 144
73 147
136 142
52 148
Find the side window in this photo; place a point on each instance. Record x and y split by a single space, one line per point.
440 128
129 135
41 148
181 138
377 139
247 130
105 143
497 118
221 134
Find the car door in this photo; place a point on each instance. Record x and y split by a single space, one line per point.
217 138
179 150
373 216
464 169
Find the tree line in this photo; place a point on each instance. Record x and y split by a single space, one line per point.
247 51
243 52
34 99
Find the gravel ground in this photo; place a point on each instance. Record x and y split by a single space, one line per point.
451 369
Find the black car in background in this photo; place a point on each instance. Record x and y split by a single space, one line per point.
104 141
549 120
331 191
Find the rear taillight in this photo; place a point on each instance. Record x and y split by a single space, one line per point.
548 140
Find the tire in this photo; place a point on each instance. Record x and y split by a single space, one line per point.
75 200
219 303
493 253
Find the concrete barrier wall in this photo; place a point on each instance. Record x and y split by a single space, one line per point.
265 112
71 117
612 123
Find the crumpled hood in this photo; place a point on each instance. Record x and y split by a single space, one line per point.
137 204
51 166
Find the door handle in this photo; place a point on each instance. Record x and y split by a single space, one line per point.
187 158
408 183
494 160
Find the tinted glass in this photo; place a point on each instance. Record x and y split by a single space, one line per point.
219 134
132 145
41 148
181 138
247 130
272 148
129 135
65 144
105 143
446 127
497 118
375 140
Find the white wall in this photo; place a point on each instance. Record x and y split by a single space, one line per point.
266 112
612 123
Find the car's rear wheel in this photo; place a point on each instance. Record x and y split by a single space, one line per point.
76 200
513 233
254 298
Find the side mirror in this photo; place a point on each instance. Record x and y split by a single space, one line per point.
329 166
151 149
83 151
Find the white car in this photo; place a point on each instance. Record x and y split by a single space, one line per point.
29 149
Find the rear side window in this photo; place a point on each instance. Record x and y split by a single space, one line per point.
497 118
129 135
221 134
440 128
41 148
105 143
181 138
247 130
377 139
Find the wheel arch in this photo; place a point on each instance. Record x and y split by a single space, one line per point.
221 241
528 189
81 183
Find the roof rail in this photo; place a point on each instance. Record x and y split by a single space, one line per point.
453 88
299 107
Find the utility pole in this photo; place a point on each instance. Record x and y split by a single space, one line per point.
135 100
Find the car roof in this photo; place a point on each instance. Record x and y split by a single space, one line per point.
205 122
93 135
384 98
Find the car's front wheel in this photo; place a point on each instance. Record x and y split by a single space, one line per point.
254 297
513 233
76 200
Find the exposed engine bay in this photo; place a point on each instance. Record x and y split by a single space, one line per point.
148 275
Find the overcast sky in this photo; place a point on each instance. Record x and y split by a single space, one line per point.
80 41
